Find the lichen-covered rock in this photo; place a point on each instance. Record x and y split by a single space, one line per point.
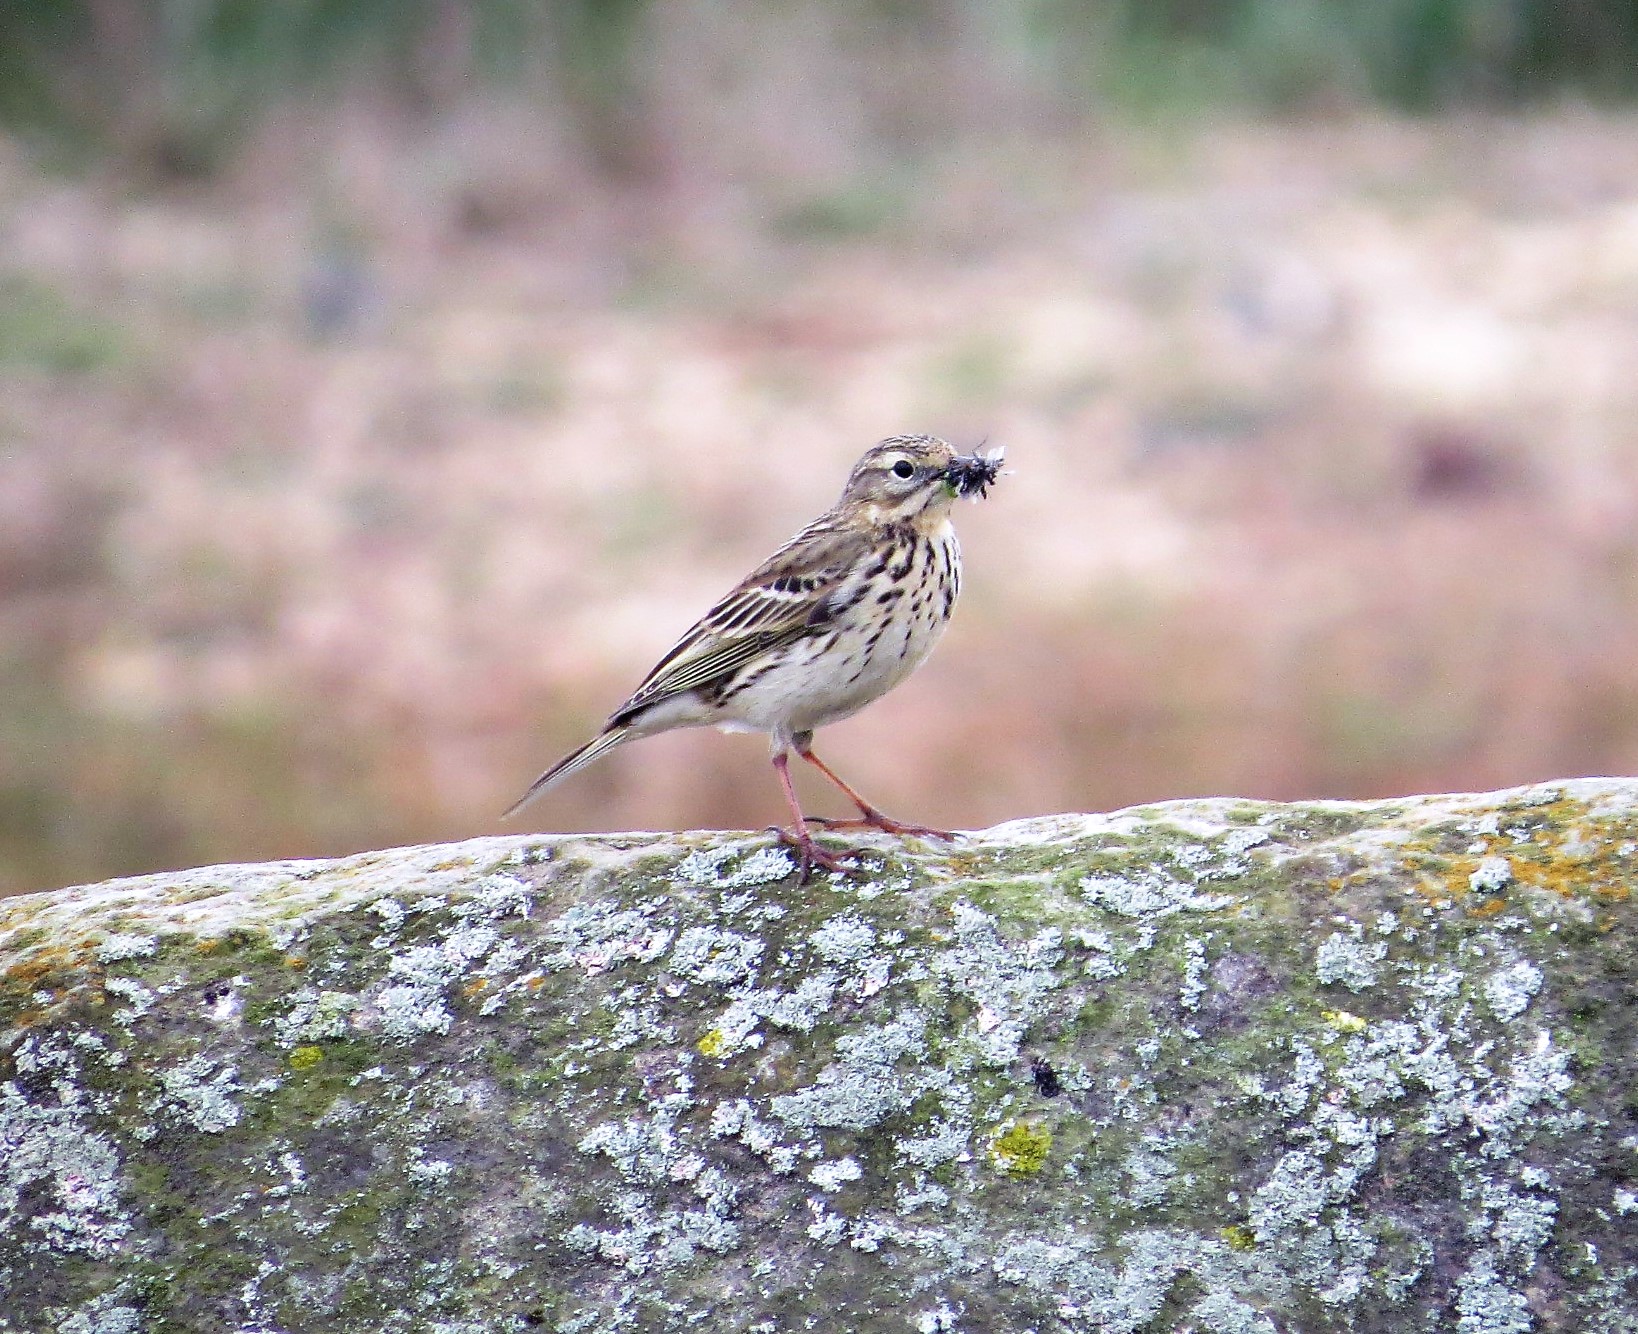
1208 1066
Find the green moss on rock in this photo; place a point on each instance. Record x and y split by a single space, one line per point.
1020 1149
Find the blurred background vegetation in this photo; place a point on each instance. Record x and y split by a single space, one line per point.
385 383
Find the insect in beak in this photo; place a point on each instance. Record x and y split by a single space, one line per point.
974 474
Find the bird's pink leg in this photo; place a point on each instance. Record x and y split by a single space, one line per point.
869 816
810 853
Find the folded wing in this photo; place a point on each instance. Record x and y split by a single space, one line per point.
791 594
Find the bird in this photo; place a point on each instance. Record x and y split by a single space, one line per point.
833 620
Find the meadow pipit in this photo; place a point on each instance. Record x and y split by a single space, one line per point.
834 619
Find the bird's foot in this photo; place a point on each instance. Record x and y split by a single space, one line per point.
810 854
871 818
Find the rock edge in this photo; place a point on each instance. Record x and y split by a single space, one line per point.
1208 1065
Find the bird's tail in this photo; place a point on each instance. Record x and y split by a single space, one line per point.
606 740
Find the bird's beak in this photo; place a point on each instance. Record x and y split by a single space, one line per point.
973 474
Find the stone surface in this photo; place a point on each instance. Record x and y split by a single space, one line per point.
1207 1066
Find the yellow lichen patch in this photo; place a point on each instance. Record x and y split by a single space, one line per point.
1556 846
1343 1021
476 985
535 983
1020 1149
27 974
1455 878
1572 854
1549 874
305 1058
713 1044
1437 880
295 962
1239 1237
206 946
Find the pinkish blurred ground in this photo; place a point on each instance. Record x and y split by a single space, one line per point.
339 497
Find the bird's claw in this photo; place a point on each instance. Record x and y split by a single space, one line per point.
810 854
887 825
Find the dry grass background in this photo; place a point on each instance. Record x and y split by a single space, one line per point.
341 492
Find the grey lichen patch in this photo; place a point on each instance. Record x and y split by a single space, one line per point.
713 957
122 946
61 1190
107 1313
311 1016
1509 990
733 868
202 1093
1006 981
879 1071
1347 958
1491 875
1210 1065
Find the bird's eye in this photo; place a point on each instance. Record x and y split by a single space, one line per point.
904 468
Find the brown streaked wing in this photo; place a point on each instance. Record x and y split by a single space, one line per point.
781 600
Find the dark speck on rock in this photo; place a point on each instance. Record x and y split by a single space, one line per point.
1046 1078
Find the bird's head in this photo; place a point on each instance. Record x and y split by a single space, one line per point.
907 477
